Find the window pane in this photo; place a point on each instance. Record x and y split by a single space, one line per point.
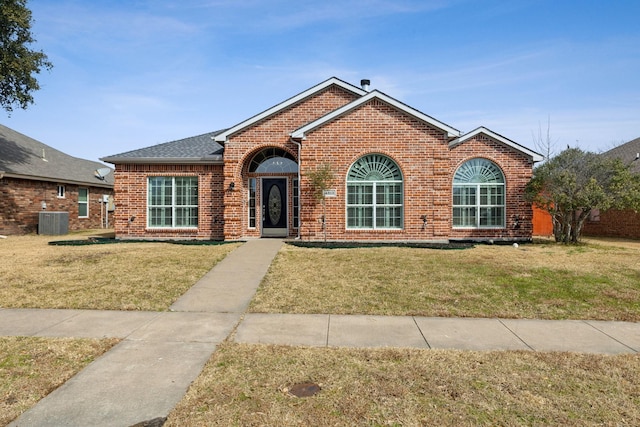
296 204
389 217
491 217
186 191
360 217
464 196
172 202
464 217
374 193
160 217
360 194
479 196
252 202
186 217
83 202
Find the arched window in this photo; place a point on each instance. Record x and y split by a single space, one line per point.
374 193
273 160
478 195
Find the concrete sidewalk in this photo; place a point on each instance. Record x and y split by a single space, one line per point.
325 330
146 375
322 330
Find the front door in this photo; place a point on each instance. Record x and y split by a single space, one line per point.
274 207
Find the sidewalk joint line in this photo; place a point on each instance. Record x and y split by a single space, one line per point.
421 333
71 316
516 335
606 334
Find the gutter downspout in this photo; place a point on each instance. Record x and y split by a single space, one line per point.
299 144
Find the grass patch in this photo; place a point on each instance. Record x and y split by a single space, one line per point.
132 276
247 385
542 280
31 368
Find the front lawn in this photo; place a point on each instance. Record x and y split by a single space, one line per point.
31 368
249 385
542 280
119 276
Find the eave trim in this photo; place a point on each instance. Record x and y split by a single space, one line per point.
222 137
535 157
300 133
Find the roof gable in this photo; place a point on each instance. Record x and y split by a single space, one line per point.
535 157
300 133
222 137
26 158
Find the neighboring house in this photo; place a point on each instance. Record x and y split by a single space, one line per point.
399 174
616 223
35 177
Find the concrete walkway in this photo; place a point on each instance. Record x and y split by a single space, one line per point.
146 375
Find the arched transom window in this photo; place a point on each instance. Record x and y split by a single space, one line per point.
374 193
273 160
478 195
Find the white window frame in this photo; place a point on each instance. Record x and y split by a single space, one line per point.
251 198
370 178
479 185
173 206
84 202
61 191
296 203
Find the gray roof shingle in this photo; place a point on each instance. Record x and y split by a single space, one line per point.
27 158
200 148
628 153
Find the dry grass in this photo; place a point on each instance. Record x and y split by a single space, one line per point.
121 276
246 385
542 280
30 368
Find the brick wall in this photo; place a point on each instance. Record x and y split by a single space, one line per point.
272 132
427 165
131 201
21 201
614 223
517 169
421 152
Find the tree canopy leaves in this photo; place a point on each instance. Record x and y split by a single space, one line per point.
574 183
18 62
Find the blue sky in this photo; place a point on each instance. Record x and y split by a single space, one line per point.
134 73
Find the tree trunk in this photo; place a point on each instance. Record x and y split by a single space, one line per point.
579 224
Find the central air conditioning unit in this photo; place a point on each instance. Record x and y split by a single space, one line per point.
53 223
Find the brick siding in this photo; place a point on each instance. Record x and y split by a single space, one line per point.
614 223
421 152
21 202
271 132
131 201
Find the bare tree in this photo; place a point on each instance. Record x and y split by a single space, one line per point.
543 142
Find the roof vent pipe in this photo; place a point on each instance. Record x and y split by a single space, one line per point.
364 83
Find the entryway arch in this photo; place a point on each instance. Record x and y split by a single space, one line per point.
273 192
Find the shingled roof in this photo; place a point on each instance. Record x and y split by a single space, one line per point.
195 149
26 158
629 153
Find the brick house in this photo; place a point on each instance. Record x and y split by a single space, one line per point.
398 174
618 223
35 177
